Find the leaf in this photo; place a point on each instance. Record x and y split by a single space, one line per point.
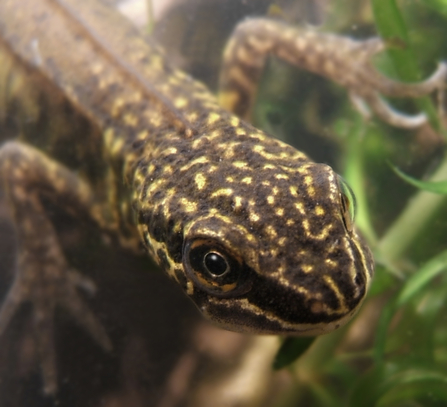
412 286
393 31
290 350
437 187
420 279
383 280
438 5
355 173
383 379
386 316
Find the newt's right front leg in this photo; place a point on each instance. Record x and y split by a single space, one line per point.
43 276
338 58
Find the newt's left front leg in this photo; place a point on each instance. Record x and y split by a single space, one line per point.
43 276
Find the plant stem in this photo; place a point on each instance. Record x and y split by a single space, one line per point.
420 209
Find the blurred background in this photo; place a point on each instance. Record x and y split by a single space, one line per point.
394 353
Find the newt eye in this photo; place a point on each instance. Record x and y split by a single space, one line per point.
216 264
212 268
348 204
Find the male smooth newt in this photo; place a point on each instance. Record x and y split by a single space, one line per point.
256 234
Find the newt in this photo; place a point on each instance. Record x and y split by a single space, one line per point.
260 238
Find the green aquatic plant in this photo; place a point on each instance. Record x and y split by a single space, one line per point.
402 361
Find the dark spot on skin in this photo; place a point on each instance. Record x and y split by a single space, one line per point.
143 217
174 246
180 278
358 279
157 228
137 144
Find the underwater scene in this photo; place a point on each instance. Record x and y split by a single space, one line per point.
223 203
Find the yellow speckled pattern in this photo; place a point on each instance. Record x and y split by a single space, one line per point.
257 235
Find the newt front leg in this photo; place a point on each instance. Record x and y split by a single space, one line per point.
43 276
338 58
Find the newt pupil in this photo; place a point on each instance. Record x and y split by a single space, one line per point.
215 264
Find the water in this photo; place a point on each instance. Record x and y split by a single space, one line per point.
393 354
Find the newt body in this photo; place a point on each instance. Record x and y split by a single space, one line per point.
255 233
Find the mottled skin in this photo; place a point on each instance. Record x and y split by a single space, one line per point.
147 154
266 205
